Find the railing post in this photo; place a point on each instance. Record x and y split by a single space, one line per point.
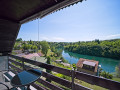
23 66
73 76
8 62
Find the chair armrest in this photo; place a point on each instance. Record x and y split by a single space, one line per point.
7 75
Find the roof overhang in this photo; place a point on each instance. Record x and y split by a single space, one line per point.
13 13
54 8
22 11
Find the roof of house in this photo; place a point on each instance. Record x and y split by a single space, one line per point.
13 13
29 56
58 60
93 63
89 63
66 64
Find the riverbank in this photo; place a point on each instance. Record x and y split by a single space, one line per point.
105 48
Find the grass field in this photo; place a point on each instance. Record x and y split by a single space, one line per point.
116 79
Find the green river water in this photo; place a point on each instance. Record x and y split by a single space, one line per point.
107 64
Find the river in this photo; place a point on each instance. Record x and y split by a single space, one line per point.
107 64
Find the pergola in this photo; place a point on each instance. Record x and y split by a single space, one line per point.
14 13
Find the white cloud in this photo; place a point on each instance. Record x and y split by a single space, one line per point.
45 38
113 36
53 39
58 38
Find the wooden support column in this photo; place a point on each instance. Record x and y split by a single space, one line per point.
8 34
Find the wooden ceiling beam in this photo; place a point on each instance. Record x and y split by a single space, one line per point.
52 9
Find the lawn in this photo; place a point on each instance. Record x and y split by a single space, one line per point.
94 87
116 79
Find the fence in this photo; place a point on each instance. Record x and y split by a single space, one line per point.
94 80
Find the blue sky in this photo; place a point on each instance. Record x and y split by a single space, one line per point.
86 21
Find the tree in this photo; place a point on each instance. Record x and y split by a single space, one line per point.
106 48
17 46
97 40
58 53
30 42
106 75
34 48
45 47
19 39
53 49
74 66
63 60
117 69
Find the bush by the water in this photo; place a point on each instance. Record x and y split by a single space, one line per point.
117 69
106 75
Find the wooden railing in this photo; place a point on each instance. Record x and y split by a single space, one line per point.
94 80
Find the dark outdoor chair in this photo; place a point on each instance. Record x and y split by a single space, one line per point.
5 80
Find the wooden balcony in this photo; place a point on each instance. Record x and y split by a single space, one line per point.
23 63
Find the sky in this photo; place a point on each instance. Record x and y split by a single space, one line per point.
86 21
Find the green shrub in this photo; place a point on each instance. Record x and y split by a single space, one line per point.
63 60
106 75
117 69
74 66
63 76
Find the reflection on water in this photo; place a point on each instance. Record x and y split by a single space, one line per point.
107 64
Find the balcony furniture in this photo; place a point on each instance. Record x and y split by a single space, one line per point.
25 78
6 76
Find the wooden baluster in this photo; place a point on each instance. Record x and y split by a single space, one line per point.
73 76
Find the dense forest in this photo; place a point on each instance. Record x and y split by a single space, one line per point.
106 48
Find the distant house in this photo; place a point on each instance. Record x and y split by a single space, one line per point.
66 64
58 61
87 66
28 51
29 56
36 57
17 51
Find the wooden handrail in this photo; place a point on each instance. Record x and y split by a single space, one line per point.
61 81
95 80
49 85
44 65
